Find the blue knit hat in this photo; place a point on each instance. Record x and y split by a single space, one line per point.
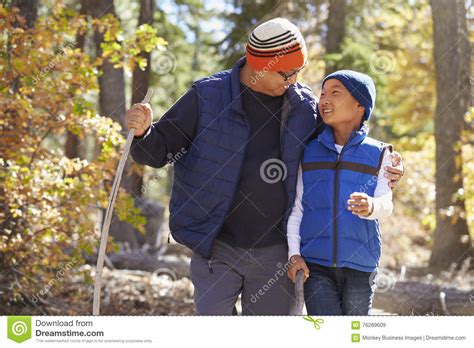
359 85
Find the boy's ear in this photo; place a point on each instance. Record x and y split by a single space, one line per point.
360 109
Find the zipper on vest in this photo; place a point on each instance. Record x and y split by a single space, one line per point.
336 189
209 264
285 113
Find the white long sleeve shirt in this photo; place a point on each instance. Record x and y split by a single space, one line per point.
382 201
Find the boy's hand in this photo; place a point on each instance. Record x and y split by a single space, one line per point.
360 204
396 171
297 263
139 116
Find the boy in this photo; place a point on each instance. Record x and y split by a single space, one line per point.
342 191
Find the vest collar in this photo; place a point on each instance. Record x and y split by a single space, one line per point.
235 87
357 136
294 95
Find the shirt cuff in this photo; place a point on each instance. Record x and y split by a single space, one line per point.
374 209
144 135
293 251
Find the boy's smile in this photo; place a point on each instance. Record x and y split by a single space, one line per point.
327 111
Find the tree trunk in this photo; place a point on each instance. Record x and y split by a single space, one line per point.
452 243
140 85
112 104
71 148
28 10
111 82
336 30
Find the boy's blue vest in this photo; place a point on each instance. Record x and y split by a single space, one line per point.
207 176
330 234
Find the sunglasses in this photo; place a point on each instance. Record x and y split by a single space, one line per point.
287 77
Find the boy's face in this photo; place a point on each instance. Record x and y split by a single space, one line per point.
337 105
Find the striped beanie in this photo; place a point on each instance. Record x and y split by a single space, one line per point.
276 45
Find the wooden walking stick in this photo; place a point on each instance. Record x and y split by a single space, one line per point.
108 215
299 293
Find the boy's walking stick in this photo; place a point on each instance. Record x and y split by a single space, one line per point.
108 215
299 293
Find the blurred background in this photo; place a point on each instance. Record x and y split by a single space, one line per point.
69 70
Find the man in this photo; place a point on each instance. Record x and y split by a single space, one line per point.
236 139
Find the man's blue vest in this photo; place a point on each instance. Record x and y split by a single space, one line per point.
330 234
207 176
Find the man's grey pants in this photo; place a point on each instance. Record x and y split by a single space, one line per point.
260 275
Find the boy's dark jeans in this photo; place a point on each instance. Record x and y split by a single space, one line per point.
338 291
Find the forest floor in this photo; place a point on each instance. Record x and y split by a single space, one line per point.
134 292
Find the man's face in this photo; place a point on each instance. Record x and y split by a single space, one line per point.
336 104
277 83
